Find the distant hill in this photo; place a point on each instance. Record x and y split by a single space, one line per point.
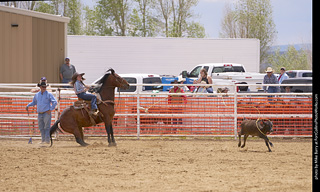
284 48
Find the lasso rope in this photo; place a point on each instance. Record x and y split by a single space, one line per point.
248 107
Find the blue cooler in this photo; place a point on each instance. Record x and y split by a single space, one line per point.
168 80
188 81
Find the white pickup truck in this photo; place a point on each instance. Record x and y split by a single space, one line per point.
227 74
299 73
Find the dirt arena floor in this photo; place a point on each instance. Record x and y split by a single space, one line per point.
156 164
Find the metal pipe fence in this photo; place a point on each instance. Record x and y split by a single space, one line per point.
153 114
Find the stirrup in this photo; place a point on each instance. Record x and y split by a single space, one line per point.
94 112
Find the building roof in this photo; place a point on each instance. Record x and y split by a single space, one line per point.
36 14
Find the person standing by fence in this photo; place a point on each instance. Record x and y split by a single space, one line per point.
45 102
283 75
66 71
176 102
270 78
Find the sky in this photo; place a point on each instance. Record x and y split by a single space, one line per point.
293 19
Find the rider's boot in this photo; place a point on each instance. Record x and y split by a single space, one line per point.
94 112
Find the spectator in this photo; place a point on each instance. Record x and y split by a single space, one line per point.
201 89
223 90
288 89
43 79
176 100
283 75
206 78
270 78
45 102
183 87
66 71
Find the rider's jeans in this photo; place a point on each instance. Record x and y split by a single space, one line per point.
89 97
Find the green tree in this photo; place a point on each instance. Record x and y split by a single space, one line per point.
113 15
142 21
250 19
71 9
74 12
291 59
195 30
45 8
178 18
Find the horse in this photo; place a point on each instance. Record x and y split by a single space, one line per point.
73 120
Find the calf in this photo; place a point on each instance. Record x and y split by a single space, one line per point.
255 128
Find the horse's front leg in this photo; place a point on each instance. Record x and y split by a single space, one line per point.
111 140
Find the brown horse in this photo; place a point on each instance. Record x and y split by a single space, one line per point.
72 120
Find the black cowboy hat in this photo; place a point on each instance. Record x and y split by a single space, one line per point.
42 84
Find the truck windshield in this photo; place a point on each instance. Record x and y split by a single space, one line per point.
307 74
228 69
150 80
195 72
292 74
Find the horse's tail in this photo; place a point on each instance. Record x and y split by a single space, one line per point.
53 129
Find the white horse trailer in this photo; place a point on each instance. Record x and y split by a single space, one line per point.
164 56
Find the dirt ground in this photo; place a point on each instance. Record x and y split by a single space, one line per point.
156 164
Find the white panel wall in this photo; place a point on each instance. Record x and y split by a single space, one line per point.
164 56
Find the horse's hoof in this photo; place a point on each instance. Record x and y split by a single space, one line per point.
112 144
84 144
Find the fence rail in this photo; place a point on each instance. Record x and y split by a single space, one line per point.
152 114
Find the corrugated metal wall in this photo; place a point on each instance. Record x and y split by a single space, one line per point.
15 48
48 49
94 55
35 48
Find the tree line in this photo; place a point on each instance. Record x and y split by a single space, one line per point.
142 18
173 18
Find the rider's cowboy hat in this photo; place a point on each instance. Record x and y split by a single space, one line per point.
76 74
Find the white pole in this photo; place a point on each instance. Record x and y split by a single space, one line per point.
235 111
138 113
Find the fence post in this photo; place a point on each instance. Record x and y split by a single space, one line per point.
235 111
57 112
138 113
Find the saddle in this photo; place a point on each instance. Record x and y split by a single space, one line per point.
80 104
83 104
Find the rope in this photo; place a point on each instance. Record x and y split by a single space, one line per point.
249 107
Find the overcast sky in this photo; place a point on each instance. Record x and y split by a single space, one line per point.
293 18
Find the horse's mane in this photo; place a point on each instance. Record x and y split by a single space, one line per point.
103 79
106 75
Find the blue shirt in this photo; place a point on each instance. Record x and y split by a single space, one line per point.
79 87
45 101
282 77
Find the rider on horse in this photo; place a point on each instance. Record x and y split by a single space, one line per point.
80 89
